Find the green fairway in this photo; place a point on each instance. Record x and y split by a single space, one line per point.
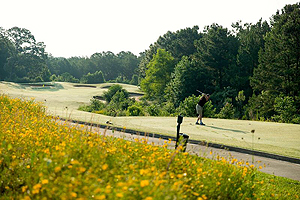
63 99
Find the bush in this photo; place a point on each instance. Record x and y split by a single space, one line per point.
240 99
209 110
168 108
96 105
227 112
134 80
285 109
188 106
53 77
117 102
120 100
122 79
261 106
135 110
296 119
65 77
96 77
112 91
220 96
153 110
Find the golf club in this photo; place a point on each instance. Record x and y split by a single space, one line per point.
200 92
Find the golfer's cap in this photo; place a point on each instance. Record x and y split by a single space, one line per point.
208 95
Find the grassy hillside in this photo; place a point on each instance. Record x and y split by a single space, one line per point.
41 159
63 99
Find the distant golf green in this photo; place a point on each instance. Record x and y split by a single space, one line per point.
63 99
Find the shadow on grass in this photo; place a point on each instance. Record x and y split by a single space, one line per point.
226 129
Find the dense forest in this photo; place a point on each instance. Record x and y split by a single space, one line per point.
251 70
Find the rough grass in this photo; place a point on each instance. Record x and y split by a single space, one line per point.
41 159
63 99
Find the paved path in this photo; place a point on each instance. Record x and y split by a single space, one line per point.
270 166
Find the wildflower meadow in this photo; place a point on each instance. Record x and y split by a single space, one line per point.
41 158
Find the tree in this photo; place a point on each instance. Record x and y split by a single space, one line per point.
96 77
240 98
251 40
179 43
278 70
6 51
186 79
25 42
113 90
158 74
128 64
108 63
28 61
217 50
285 109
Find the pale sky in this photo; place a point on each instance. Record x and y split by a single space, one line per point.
80 28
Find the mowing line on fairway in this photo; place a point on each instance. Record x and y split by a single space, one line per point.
196 142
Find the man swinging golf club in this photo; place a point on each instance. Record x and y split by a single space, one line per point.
199 107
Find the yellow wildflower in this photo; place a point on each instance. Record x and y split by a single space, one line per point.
120 195
24 188
73 194
144 183
100 197
81 169
104 167
57 169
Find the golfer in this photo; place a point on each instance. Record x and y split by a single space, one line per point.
199 108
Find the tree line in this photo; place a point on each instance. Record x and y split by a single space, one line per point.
23 59
251 71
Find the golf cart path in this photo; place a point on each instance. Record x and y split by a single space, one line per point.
263 164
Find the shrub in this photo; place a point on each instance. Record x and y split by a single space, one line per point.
153 110
53 77
227 112
112 91
120 100
240 98
134 80
285 109
261 106
66 77
209 110
188 106
96 104
122 79
135 110
168 108
96 77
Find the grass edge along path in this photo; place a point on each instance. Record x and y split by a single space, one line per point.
40 158
198 142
